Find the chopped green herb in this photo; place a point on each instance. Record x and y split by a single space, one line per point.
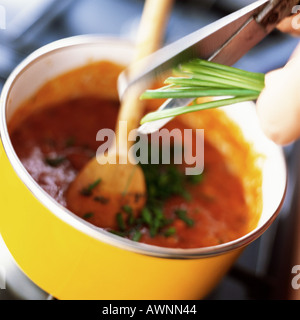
182 215
128 210
170 232
137 236
55 162
120 222
138 196
70 142
154 228
158 214
195 179
162 182
118 233
88 215
89 189
186 195
131 219
146 216
101 199
156 220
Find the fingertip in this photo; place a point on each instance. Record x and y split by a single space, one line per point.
278 106
290 25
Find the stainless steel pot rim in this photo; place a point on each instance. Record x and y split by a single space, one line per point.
67 216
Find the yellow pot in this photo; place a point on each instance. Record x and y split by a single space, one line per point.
71 259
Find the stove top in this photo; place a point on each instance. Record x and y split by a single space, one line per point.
263 270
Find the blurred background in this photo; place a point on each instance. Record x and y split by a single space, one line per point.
264 269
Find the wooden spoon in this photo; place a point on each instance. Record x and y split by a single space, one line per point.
115 189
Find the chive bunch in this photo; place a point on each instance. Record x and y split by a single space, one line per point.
200 78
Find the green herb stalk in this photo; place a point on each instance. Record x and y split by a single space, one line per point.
200 78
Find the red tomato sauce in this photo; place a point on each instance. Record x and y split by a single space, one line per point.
54 143
57 142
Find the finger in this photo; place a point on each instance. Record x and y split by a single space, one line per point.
278 106
290 25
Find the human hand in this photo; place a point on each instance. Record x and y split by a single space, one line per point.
278 106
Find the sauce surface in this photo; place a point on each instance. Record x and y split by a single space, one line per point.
56 142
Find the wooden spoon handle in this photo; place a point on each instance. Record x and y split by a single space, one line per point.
152 27
150 36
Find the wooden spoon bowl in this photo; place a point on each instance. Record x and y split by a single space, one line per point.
100 192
